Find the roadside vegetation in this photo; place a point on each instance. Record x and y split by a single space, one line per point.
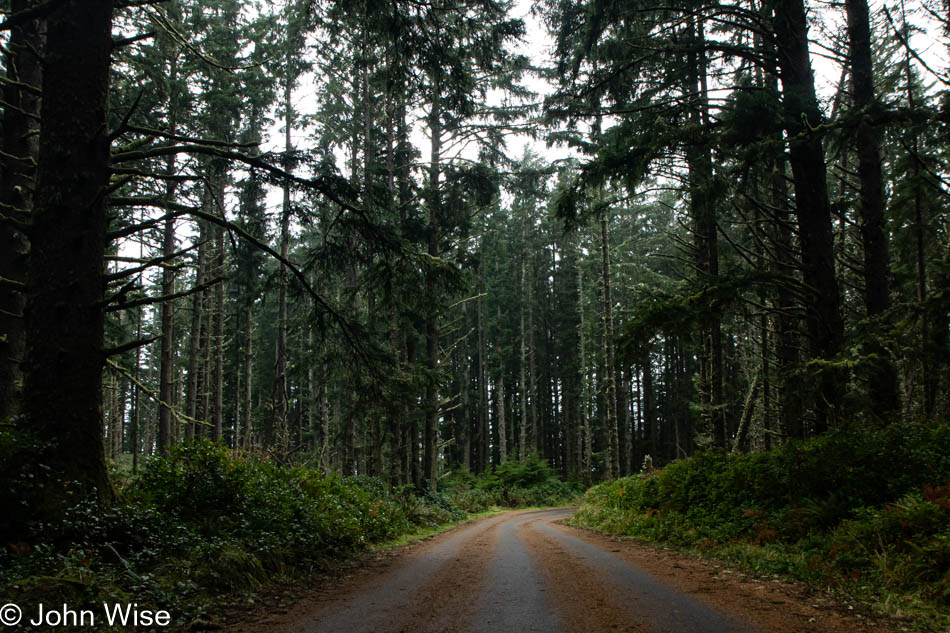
866 513
202 524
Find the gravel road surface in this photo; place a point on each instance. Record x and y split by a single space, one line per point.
525 572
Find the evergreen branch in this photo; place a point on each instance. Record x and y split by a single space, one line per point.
9 106
21 86
910 50
179 38
141 129
148 224
155 261
346 328
22 17
125 120
344 324
153 395
12 283
126 41
336 189
132 4
152 300
126 347
20 225
139 173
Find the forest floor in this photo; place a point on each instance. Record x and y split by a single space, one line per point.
525 571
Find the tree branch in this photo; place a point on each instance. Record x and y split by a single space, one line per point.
125 347
155 261
24 16
126 41
151 300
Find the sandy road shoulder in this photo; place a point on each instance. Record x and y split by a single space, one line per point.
767 605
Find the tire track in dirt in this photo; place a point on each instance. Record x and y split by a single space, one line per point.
514 596
444 603
583 604
402 591
523 572
771 605
430 594
599 592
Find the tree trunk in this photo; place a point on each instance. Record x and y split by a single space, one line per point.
168 287
703 212
136 415
534 433
650 431
467 418
883 381
17 171
740 445
281 432
928 370
432 317
806 156
613 456
218 331
194 343
584 437
501 426
64 311
483 440
523 386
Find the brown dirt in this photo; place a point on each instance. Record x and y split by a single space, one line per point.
770 605
433 596
592 610
437 585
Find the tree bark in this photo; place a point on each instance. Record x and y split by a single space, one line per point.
17 170
483 440
167 317
883 381
705 236
281 431
64 311
806 156
613 464
523 383
194 344
584 437
218 330
430 454
500 421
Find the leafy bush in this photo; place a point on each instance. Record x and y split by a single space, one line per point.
202 522
512 484
855 505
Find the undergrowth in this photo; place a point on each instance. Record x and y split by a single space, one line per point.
202 524
513 484
865 512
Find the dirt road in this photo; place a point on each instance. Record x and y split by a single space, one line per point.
523 572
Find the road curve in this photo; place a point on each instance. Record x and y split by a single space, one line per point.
523 572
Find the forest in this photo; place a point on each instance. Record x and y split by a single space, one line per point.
429 257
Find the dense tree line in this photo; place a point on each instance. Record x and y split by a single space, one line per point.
220 221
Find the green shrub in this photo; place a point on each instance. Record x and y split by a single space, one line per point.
201 522
867 508
475 500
